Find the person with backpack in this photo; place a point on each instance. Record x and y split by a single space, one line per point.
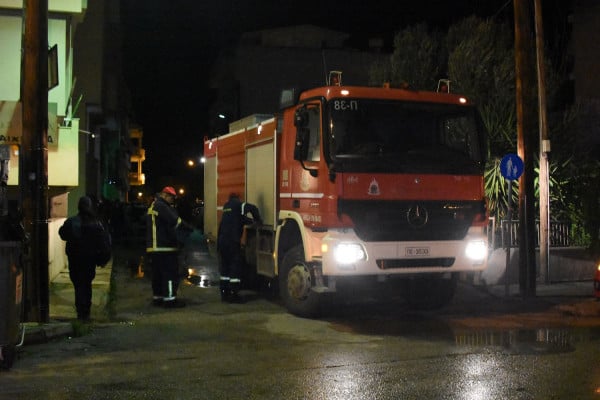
86 248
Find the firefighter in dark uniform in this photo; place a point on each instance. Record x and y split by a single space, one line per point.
229 238
162 220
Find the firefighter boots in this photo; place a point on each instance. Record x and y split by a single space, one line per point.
230 292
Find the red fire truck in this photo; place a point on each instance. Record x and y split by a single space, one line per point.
357 184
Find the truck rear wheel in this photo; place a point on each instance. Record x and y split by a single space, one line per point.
296 280
430 293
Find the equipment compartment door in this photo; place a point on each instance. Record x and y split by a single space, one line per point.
260 190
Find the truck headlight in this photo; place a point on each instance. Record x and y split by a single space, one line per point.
349 253
476 251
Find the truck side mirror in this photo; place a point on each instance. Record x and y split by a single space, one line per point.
301 146
301 122
301 117
302 132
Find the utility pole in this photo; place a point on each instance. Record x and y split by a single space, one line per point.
33 178
525 99
543 178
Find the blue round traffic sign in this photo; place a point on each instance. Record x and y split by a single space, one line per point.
511 166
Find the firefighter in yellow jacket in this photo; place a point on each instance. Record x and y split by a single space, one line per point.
162 220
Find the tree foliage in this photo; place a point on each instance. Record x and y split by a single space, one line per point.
416 60
478 57
481 64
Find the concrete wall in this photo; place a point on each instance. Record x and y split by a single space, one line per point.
11 32
57 259
566 264
63 149
63 159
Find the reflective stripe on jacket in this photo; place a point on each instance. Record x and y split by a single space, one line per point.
233 220
161 221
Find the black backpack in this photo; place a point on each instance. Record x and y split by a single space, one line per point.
104 249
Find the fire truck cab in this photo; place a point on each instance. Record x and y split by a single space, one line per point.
357 184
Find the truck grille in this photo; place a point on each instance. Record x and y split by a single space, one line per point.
415 262
386 221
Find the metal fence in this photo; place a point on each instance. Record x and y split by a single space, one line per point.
559 235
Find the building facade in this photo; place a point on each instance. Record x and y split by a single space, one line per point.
248 78
88 143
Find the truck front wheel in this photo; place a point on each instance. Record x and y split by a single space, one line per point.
296 280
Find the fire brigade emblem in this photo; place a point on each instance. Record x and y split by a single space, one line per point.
374 188
304 183
417 216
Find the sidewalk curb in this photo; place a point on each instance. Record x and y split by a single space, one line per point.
36 333
570 298
62 311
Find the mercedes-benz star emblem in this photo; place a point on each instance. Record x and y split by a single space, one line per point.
417 216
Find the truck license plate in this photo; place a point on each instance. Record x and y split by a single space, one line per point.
417 252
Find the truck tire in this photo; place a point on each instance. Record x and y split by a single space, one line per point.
430 293
295 282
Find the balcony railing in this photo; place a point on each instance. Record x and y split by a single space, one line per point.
138 155
136 179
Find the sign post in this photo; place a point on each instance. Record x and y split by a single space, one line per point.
511 168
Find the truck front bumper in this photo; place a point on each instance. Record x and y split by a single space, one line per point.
344 254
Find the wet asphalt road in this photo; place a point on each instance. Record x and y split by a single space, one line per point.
480 347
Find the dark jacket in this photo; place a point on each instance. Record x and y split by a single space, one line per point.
233 220
83 235
161 221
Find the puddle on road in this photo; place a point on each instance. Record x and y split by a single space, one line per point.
203 270
201 273
201 280
513 341
531 341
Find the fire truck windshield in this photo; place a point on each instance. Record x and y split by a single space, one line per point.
369 135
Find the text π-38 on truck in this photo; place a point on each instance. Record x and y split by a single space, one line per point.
357 184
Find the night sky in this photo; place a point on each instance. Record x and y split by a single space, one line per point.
169 47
